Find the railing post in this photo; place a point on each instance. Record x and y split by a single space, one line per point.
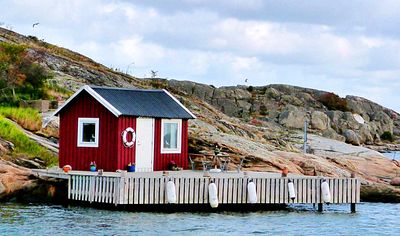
121 190
91 188
69 187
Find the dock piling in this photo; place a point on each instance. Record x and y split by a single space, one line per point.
353 207
320 207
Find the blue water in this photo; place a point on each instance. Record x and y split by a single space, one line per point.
370 219
392 155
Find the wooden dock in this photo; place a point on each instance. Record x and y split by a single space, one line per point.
191 187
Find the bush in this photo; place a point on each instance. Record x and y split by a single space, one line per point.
387 136
334 102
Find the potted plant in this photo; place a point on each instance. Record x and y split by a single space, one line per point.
131 167
93 166
171 165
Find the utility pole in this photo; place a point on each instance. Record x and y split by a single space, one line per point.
305 137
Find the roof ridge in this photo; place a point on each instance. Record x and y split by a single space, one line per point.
127 89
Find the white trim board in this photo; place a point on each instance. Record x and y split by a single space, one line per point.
178 148
96 96
179 103
80 142
108 105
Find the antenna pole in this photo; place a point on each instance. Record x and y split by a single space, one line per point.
305 137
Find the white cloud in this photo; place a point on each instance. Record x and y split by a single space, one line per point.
256 37
134 49
349 49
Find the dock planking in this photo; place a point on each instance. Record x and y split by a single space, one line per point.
145 189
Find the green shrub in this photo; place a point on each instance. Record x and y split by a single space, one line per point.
333 102
23 144
388 136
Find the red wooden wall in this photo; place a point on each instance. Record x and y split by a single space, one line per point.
161 161
125 154
80 157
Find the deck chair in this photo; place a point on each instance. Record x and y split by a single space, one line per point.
225 163
239 167
192 164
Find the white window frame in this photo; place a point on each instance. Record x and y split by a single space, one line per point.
82 121
179 134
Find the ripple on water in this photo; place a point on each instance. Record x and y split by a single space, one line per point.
371 219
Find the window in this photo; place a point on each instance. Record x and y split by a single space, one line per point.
171 131
88 132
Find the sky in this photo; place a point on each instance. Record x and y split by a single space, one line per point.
345 47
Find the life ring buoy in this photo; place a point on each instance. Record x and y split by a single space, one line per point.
125 137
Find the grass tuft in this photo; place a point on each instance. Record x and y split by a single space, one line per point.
28 118
24 145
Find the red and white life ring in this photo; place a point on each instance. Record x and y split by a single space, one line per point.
125 137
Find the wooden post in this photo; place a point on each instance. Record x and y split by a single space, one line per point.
320 207
353 207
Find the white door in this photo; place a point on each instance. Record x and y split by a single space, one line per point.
144 144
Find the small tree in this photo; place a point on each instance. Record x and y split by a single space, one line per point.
153 74
20 74
11 59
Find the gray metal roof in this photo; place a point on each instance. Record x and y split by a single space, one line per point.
144 103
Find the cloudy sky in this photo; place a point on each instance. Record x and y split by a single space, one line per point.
347 47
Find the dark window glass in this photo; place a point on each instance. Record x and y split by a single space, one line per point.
89 132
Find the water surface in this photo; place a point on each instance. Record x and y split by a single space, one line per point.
370 219
392 155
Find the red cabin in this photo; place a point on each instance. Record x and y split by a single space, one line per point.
114 127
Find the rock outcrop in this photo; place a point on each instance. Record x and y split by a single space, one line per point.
319 121
13 179
395 181
290 106
291 117
351 137
20 184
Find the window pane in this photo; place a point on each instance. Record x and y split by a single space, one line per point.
88 132
170 135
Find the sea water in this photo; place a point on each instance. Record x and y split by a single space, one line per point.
370 219
392 155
